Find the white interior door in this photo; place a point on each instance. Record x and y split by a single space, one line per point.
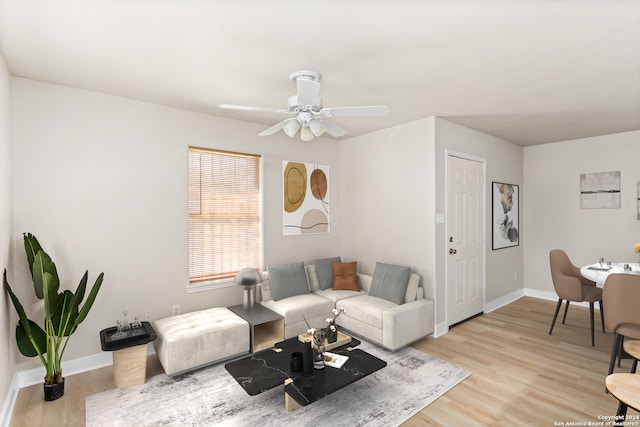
465 238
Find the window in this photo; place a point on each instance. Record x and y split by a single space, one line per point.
224 214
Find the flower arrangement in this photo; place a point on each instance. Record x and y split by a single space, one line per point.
331 331
331 321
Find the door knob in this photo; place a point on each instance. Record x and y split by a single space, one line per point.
453 251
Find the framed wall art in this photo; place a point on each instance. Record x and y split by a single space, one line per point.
600 190
306 198
505 215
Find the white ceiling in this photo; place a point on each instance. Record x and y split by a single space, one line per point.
527 71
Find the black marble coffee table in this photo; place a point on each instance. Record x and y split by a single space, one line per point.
271 368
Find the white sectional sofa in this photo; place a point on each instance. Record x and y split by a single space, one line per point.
390 324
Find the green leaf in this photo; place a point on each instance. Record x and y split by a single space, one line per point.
65 314
42 264
22 315
90 299
79 296
32 247
24 343
50 293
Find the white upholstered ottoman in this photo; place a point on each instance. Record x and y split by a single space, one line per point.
192 340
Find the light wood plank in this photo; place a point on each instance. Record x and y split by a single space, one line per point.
521 375
626 388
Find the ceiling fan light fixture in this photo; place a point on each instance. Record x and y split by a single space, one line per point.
317 127
291 128
306 134
307 113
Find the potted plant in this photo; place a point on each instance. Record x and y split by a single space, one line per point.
62 315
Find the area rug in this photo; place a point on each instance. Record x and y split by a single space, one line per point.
210 396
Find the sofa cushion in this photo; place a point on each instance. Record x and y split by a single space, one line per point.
412 288
294 308
336 296
288 280
324 271
365 308
312 277
344 276
390 282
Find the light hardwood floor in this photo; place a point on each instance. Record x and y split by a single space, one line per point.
521 375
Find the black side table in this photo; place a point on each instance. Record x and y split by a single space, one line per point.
129 353
266 326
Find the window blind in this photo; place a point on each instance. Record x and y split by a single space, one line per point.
224 213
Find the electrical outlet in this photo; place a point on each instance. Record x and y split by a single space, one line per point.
148 315
176 309
515 275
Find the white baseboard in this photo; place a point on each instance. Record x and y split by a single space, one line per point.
552 296
9 403
502 301
33 376
70 367
441 329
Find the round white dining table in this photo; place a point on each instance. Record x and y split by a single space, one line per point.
595 273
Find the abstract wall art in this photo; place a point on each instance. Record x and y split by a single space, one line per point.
505 215
600 190
306 198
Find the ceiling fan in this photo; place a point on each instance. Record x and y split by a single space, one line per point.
310 117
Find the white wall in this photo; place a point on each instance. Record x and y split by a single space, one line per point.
7 364
388 199
553 217
394 183
504 162
102 182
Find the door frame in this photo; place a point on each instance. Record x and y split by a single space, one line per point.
452 153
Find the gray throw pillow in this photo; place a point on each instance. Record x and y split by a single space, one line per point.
390 282
288 280
325 272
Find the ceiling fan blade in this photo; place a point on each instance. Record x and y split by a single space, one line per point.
275 128
307 91
333 129
259 109
373 110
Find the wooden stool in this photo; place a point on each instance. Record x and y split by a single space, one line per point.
625 388
633 349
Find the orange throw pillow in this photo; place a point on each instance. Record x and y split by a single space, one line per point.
344 276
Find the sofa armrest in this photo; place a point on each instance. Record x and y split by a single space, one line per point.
406 323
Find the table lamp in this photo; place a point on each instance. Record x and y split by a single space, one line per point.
248 278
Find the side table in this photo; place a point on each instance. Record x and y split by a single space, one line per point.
266 326
129 353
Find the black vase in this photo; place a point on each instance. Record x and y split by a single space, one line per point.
53 391
332 336
307 359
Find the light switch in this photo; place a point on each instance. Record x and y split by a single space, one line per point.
439 218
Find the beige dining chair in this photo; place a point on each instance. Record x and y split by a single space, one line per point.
621 295
571 286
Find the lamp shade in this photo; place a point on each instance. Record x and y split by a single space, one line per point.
306 134
291 127
317 127
248 277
